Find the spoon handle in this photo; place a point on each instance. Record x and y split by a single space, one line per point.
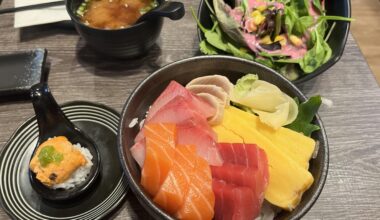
48 113
172 10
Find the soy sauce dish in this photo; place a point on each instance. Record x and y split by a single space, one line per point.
213 157
114 28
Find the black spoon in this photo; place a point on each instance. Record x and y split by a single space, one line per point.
52 122
172 10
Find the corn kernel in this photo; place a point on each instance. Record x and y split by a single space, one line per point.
296 41
252 26
265 40
281 39
261 8
258 18
255 13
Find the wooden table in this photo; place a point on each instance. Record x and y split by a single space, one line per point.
352 190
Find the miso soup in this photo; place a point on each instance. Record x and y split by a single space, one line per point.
113 14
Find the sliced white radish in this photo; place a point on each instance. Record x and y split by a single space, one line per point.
217 80
213 101
216 91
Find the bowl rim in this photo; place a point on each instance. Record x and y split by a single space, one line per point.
76 20
145 200
323 68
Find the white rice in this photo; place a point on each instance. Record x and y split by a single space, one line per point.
80 174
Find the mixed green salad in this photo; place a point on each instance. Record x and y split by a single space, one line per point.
289 36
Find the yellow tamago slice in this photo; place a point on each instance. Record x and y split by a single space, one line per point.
296 145
288 180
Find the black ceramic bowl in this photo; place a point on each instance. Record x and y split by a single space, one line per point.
337 40
185 70
121 43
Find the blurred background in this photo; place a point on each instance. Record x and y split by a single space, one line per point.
366 31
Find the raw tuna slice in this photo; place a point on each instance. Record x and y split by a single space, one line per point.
242 178
175 89
234 202
249 155
160 149
237 175
239 153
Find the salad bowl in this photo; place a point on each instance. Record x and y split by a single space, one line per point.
336 34
184 71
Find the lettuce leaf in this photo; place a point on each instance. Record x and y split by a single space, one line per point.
306 113
206 48
244 84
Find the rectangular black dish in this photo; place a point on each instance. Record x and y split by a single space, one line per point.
19 71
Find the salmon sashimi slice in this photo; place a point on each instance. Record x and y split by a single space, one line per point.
178 111
162 131
172 193
160 149
192 129
175 89
234 202
188 134
200 200
206 145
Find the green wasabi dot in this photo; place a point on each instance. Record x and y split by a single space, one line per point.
49 155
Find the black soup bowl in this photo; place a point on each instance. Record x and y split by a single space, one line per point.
185 70
336 41
129 42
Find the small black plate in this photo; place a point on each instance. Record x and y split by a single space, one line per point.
19 71
19 199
